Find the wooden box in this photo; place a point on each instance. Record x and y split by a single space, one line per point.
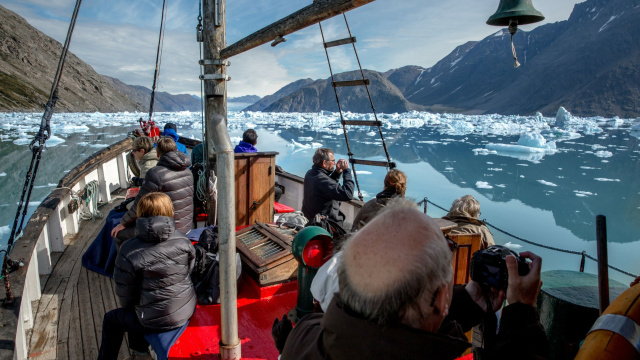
266 253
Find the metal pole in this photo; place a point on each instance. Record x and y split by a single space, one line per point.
603 264
218 138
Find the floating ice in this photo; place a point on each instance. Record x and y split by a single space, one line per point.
483 185
605 179
305 138
364 172
563 117
583 193
603 154
513 246
3 174
548 183
484 151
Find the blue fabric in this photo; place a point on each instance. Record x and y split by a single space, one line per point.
101 254
194 234
172 134
163 341
244 147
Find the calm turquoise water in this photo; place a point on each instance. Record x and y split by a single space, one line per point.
552 199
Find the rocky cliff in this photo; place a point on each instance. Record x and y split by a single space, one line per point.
28 62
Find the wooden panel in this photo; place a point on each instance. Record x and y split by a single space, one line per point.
261 189
467 245
254 187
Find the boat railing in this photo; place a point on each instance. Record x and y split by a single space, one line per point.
45 234
582 253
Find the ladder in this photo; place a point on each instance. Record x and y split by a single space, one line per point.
359 82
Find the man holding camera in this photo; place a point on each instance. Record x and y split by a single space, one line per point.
322 189
397 300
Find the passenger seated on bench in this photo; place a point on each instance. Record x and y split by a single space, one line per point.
145 155
152 280
171 130
465 212
395 185
170 176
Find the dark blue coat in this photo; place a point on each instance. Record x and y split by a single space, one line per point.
323 193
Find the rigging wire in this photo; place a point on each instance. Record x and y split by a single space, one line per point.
158 57
584 254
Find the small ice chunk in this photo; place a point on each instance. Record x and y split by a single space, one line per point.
548 183
513 246
603 154
483 185
605 179
3 174
305 138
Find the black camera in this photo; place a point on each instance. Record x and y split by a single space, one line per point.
489 267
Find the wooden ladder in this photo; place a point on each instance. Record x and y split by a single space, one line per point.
359 82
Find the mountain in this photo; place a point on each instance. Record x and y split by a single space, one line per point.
320 95
28 62
270 99
251 99
163 102
588 64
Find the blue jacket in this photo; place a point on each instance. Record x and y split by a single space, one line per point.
244 147
172 134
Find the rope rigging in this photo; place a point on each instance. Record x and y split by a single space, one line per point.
352 40
149 126
36 146
584 254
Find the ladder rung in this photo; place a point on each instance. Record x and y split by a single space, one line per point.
362 122
350 40
350 83
373 163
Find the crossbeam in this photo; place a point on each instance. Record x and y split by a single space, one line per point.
320 10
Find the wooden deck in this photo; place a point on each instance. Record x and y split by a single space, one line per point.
68 319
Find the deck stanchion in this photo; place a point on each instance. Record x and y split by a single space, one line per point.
603 262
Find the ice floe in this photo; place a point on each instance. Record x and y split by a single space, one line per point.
483 185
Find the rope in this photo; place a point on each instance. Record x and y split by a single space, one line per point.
572 252
201 188
513 28
91 202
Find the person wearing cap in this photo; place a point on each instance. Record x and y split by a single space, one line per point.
170 130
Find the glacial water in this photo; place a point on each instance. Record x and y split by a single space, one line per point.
548 189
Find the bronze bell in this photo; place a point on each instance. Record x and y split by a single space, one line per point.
522 11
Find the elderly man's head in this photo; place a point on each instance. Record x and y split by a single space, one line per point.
398 269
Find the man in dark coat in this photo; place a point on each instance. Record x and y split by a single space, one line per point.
397 300
152 280
170 176
322 189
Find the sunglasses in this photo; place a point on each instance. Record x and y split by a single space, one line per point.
453 246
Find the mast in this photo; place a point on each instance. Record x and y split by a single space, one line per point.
220 150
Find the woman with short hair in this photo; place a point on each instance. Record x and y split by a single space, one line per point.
145 154
395 185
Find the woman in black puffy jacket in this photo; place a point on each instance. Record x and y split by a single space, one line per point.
152 280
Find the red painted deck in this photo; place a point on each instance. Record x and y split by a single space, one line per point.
257 308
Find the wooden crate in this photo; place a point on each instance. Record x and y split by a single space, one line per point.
266 253
255 187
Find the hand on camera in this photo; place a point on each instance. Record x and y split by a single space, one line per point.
524 289
496 296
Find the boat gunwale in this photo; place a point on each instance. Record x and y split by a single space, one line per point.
24 248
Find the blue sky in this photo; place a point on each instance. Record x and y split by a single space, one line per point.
119 37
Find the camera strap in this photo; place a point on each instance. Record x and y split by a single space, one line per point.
489 324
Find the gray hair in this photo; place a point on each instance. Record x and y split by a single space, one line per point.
411 293
322 154
465 206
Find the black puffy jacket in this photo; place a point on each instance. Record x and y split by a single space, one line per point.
172 177
152 274
322 193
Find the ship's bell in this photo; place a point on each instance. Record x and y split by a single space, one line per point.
522 11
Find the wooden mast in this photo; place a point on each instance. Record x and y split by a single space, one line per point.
219 147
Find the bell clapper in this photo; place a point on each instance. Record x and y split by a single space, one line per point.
513 28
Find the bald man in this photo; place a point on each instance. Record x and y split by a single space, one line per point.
397 300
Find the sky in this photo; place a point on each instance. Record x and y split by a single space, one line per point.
119 38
